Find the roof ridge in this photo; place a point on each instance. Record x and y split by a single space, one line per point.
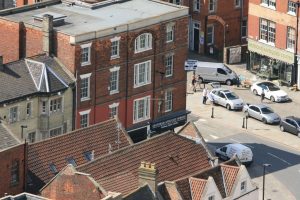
128 147
229 166
71 132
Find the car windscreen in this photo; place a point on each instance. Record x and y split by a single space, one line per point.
266 110
231 96
228 69
298 122
272 87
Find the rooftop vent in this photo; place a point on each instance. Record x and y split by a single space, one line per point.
58 19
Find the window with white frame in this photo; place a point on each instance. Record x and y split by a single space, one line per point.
243 186
170 32
169 65
55 132
290 43
267 31
196 6
177 2
244 28
292 7
55 105
211 197
142 73
212 5
168 101
210 34
237 3
269 3
84 118
86 54
141 109
114 80
85 86
31 137
13 114
28 109
113 110
115 47
143 42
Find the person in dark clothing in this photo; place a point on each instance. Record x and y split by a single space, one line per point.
194 83
262 95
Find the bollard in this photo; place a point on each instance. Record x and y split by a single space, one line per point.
243 126
246 122
212 112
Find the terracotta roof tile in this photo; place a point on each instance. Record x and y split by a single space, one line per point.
197 187
56 150
229 174
174 156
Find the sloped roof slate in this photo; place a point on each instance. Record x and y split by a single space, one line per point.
56 150
175 157
229 174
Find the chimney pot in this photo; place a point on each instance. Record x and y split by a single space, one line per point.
148 175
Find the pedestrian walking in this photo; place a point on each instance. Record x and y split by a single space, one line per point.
204 96
262 96
194 83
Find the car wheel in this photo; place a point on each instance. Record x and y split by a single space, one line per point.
272 99
228 82
218 155
281 128
228 107
200 80
264 120
255 92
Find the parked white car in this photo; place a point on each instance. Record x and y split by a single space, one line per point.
272 91
226 98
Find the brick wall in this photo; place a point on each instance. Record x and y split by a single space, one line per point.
6 159
9 45
279 16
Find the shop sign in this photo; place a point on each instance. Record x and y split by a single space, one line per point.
270 51
168 124
190 64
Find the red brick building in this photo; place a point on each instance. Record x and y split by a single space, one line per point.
273 40
127 62
215 24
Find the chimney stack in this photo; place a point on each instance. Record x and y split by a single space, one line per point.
148 174
47 33
1 63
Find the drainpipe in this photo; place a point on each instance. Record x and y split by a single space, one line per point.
126 82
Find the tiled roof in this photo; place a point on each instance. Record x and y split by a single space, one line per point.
169 191
142 193
184 186
197 187
174 157
230 174
58 149
28 77
24 196
7 139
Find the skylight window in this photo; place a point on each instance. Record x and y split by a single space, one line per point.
72 161
53 168
88 155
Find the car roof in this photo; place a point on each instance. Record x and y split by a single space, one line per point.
293 117
259 105
221 89
265 83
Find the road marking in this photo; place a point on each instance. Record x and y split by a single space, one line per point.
247 145
213 136
280 158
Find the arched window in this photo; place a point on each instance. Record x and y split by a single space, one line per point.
143 42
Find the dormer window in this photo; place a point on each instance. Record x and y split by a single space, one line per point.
88 155
72 161
143 42
53 168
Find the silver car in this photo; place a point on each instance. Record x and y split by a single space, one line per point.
226 98
262 113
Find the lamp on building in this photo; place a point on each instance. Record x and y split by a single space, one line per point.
295 68
22 128
264 172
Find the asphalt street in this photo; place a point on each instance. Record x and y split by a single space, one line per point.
268 143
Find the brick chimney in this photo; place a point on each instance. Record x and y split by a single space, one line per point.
148 174
1 63
47 33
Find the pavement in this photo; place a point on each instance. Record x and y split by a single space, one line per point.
225 122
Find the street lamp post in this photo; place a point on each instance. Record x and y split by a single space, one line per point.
22 127
264 171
